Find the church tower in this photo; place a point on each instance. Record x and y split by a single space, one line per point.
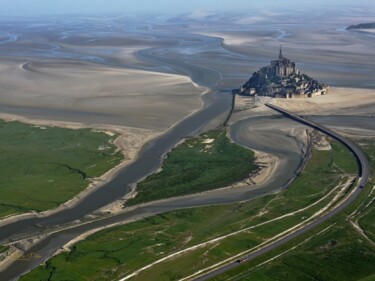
282 67
281 54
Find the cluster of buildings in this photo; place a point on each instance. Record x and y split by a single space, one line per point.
282 79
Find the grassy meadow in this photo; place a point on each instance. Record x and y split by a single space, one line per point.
199 164
42 167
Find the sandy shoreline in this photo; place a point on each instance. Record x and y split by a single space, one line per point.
267 164
339 101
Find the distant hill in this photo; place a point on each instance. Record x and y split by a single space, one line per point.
362 26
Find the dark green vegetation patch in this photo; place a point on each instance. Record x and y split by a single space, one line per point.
3 249
207 162
42 167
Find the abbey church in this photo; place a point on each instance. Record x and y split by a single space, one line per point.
283 67
282 79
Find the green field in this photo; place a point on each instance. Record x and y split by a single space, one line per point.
196 166
42 167
339 253
367 220
113 253
3 249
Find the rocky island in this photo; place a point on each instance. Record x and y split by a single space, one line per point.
370 25
282 79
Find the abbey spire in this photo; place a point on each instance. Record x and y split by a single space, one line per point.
281 54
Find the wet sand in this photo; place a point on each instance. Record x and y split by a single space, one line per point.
319 44
98 94
339 101
105 71
343 101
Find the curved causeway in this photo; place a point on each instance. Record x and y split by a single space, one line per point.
364 173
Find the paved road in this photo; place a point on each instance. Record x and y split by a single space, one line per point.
364 173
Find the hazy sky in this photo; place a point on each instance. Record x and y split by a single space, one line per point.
42 7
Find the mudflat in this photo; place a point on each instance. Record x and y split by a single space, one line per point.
90 93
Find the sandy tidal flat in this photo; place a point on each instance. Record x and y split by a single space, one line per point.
97 94
340 101
338 58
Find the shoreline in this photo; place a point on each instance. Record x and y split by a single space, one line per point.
338 101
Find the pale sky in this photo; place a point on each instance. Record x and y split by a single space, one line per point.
52 7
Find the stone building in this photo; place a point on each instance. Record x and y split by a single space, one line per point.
283 67
282 79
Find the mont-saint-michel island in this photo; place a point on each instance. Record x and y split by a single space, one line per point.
126 155
282 79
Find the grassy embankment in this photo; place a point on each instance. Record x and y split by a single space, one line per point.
339 253
3 249
2 252
42 167
113 253
197 165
